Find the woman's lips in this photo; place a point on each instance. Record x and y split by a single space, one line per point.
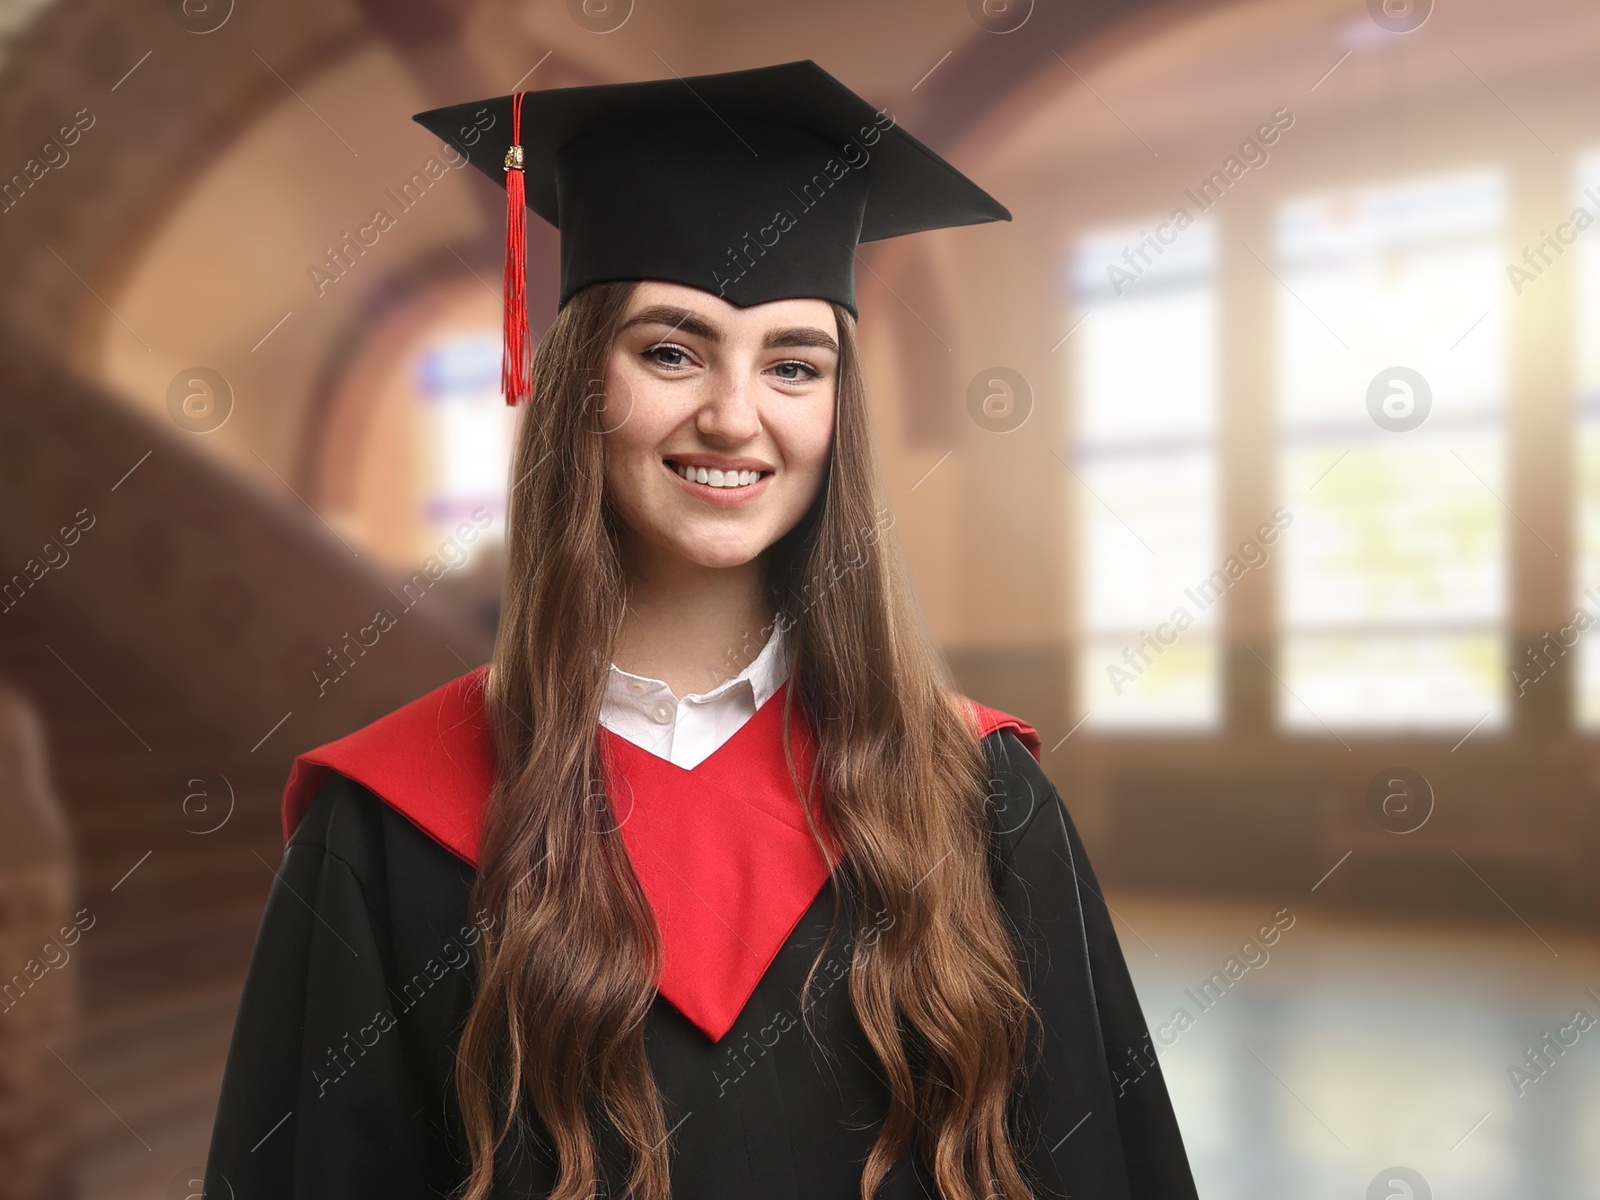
721 497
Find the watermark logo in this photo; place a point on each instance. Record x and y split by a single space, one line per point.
53 556
853 155
1399 1183
52 956
1538 1059
340 258
192 1184
345 1053
600 16
199 16
1140 256
1399 399
199 399
1538 258
999 16
451 555
607 812
1009 815
207 802
1399 16
999 399
1139 657
1253 954
611 406
52 157
1537 660
1400 800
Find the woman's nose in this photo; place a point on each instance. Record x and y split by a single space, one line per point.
729 407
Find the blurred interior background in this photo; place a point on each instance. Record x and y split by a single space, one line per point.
1256 463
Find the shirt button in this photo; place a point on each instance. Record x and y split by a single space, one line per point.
662 713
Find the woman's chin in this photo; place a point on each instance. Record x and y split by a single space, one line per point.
718 552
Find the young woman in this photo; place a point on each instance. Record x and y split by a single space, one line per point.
710 885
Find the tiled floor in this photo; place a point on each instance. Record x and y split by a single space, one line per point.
1357 1046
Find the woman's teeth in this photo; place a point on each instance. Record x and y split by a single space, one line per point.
716 478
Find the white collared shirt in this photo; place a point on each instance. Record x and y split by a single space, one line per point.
687 731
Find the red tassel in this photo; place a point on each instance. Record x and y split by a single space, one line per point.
516 374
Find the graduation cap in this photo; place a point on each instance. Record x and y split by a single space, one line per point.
752 185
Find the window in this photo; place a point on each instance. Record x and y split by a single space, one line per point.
1145 486
1588 443
465 433
1391 380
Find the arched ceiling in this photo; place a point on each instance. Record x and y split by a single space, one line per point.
161 99
1162 86
221 165
165 98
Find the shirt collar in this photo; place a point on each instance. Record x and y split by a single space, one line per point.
764 676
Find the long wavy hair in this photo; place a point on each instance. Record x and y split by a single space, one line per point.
557 1026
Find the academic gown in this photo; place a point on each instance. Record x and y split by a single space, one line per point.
338 1080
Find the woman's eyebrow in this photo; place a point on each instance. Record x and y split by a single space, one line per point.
803 335
697 326
678 318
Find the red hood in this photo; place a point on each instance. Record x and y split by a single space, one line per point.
433 761
723 851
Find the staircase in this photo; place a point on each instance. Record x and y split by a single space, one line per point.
171 656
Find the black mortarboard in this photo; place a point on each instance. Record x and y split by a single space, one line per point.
753 185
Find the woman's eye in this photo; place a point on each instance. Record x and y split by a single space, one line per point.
809 372
653 351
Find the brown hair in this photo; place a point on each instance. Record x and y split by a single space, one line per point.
559 1016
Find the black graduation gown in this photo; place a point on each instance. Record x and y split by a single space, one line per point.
338 1077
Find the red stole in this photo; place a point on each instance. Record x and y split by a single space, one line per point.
722 849
723 852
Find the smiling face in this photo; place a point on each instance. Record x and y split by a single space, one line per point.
741 399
